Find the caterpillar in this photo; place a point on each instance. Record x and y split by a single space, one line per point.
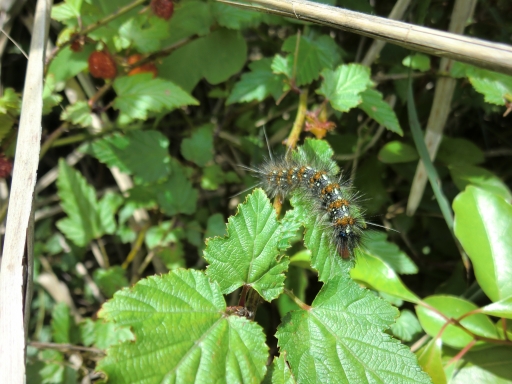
318 181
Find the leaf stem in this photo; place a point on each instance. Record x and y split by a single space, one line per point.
297 301
461 353
293 138
136 247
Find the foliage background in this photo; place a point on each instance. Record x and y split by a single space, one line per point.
131 183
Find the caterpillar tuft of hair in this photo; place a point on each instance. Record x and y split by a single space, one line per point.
318 181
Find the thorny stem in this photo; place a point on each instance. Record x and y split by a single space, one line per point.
293 138
296 300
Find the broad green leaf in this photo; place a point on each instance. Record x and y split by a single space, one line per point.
453 307
483 222
78 114
344 85
182 334
108 206
407 326
102 335
163 235
375 243
279 372
314 55
429 358
282 65
176 195
248 255
190 18
199 147
464 175
215 226
212 178
63 326
397 152
70 9
496 87
291 223
502 308
144 34
224 50
258 84
417 61
485 366
340 339
78 200
380 111
110 280
234 18
143 154
68 64
379 276
140 94
459 151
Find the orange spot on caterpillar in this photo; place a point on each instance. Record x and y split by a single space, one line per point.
330 188
344 221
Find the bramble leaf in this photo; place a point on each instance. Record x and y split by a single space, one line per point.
380 111
199 147
343 86
258 84
140 94
182 334
314 55
248 255
140 153
397 152
376 244
326 342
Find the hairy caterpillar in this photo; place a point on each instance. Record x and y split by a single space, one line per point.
318 181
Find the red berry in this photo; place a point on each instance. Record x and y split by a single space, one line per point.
77 43
102 65
162 8
148 67
5 166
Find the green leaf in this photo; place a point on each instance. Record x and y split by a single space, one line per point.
70 9
68 64
103 335
234 18
464 175
163 235
502 308
182 334
496 87
429 358
143 154
107 208
78 200
213 176
324 344
145 34
397 152
78 114
215 226
63 325
375 244
248 255
224 50
176 195
417 61
453 307
487 366
190 18
482 224
379 276
314 55
344 85
50 96
139 94
282 65
110 280
199 147
380 111
458 151
279 372
258 84
407 326
10 102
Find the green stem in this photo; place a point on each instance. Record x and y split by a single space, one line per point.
296 300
